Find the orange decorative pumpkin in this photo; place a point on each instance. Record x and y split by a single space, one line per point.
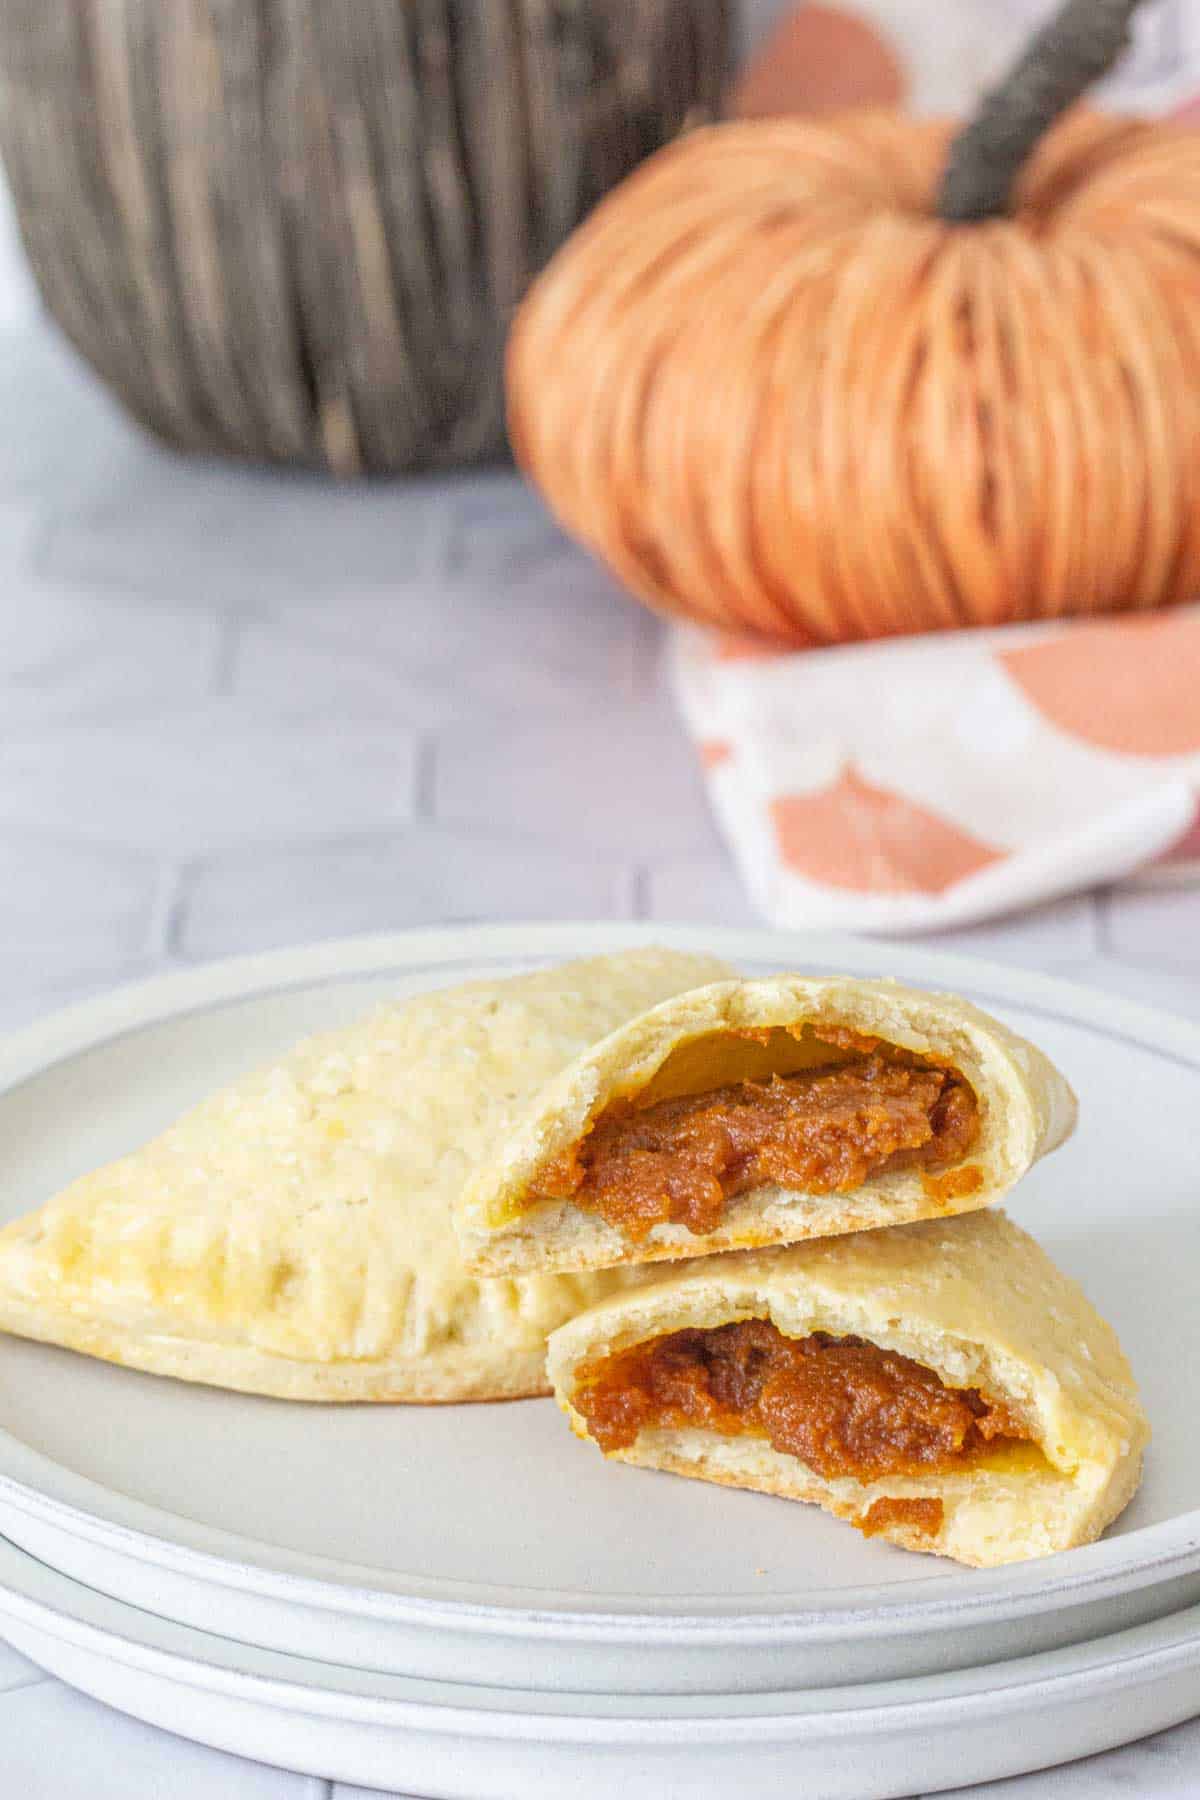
785 380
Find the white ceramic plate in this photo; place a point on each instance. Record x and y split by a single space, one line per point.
483 1543
451 1742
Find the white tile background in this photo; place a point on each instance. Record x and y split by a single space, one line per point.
241 709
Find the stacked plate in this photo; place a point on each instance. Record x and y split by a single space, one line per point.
462 1601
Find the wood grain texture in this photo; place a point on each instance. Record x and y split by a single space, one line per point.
292 231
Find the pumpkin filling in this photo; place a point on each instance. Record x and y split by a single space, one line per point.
681 1159
843 1406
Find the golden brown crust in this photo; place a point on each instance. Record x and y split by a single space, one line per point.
1026 1110
973 1299
291 1236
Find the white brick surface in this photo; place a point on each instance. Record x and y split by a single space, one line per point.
15 1671
562 633
135 524
253 900
73 653
207 777
81 903
1146 927
66 1745
695 890
60 428
1048 936
73 918
20 523
609 775
33 983
1173 988
343 1791
1162 1767
273 669
17 301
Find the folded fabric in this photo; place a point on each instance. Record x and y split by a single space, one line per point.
939 780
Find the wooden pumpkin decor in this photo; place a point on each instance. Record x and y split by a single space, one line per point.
839 378
295 230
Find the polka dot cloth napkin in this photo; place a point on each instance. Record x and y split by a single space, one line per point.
936 781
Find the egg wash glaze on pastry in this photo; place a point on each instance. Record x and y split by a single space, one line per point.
941 1384
292 1235
761 1112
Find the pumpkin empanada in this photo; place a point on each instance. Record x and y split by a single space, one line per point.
940 1384
292 1236
764 1112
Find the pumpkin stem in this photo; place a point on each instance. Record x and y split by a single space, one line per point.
1072 50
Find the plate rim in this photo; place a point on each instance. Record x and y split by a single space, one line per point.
1149 1555
273 1677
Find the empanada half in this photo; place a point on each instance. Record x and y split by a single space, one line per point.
765 1112
941 1385
292 1236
